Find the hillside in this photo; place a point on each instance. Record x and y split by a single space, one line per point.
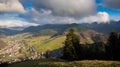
23 45
44 43
48 44
91 36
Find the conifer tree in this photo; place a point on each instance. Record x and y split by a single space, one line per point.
72 46
114 46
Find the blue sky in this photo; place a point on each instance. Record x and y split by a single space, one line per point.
57 12
110 11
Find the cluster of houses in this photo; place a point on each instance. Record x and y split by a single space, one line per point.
14 48
36 56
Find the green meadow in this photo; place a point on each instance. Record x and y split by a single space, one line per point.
62 63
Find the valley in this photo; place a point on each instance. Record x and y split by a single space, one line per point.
29 45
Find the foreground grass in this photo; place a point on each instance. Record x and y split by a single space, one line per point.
61 63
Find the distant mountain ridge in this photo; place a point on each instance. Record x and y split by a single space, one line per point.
7 31
52 29
106 28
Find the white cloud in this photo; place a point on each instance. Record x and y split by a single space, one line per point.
112 3
59 11
100 17
45 17
11 6
15 23
72 8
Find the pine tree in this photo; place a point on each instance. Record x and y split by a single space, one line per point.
72 46
117 48
113 46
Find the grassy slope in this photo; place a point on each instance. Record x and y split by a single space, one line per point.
61 63
40 43
44 43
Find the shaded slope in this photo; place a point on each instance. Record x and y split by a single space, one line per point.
91 36
104 27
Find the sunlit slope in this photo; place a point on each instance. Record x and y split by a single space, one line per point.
23 43
44 43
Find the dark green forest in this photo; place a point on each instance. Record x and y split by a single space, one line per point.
73 50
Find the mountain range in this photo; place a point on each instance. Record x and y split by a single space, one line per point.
55 29
106 28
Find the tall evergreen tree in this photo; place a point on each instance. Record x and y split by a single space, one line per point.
117 48
72 46
113 47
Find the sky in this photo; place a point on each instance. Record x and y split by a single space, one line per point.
24 13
